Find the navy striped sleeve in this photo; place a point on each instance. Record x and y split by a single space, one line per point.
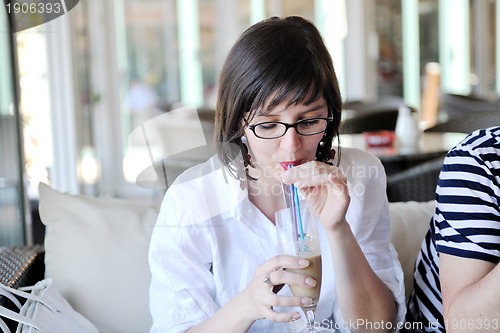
467 216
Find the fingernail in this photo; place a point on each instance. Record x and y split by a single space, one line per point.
298 183
285 178
303 262
306 301
296 316
310 282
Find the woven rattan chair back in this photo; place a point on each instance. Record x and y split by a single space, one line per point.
454 104
417 183
370 121
468 122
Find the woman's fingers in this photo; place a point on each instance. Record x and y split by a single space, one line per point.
336 176
315 180
282 261
269 300
305 171
282 269
293 278
324 187
276 271
286 301
279 316
314 174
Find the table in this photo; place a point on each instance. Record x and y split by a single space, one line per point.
396 158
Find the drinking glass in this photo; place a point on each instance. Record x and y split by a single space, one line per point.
298 236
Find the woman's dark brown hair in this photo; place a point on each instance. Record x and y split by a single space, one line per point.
285 57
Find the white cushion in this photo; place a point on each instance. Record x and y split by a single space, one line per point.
96 252
409 223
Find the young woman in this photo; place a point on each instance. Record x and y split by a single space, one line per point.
214 254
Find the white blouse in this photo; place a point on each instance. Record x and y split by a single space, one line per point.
209 239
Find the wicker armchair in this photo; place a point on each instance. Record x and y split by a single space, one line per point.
417 183
468 122
20 266
370 121
454 104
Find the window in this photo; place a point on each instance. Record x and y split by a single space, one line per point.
113 65
166 54
12 194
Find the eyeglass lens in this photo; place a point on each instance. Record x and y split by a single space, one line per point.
271 130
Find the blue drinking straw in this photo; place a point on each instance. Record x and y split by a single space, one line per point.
291 199
294 200
297 207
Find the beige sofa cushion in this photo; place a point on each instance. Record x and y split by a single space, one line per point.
96 252
409 223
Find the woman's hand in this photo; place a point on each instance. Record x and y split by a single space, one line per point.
269 276
325 189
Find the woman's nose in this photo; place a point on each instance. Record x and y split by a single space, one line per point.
291 141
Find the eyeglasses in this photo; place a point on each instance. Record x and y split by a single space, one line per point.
276 129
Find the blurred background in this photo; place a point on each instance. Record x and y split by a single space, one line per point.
73 90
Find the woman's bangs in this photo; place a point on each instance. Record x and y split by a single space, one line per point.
304 90
296 84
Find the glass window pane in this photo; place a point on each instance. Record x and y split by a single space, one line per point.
390 64
149 70
170 53
11 182
37 129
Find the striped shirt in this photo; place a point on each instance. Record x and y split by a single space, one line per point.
466 222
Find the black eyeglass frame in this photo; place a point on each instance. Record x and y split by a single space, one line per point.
288 126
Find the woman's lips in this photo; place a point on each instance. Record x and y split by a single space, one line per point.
285 164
